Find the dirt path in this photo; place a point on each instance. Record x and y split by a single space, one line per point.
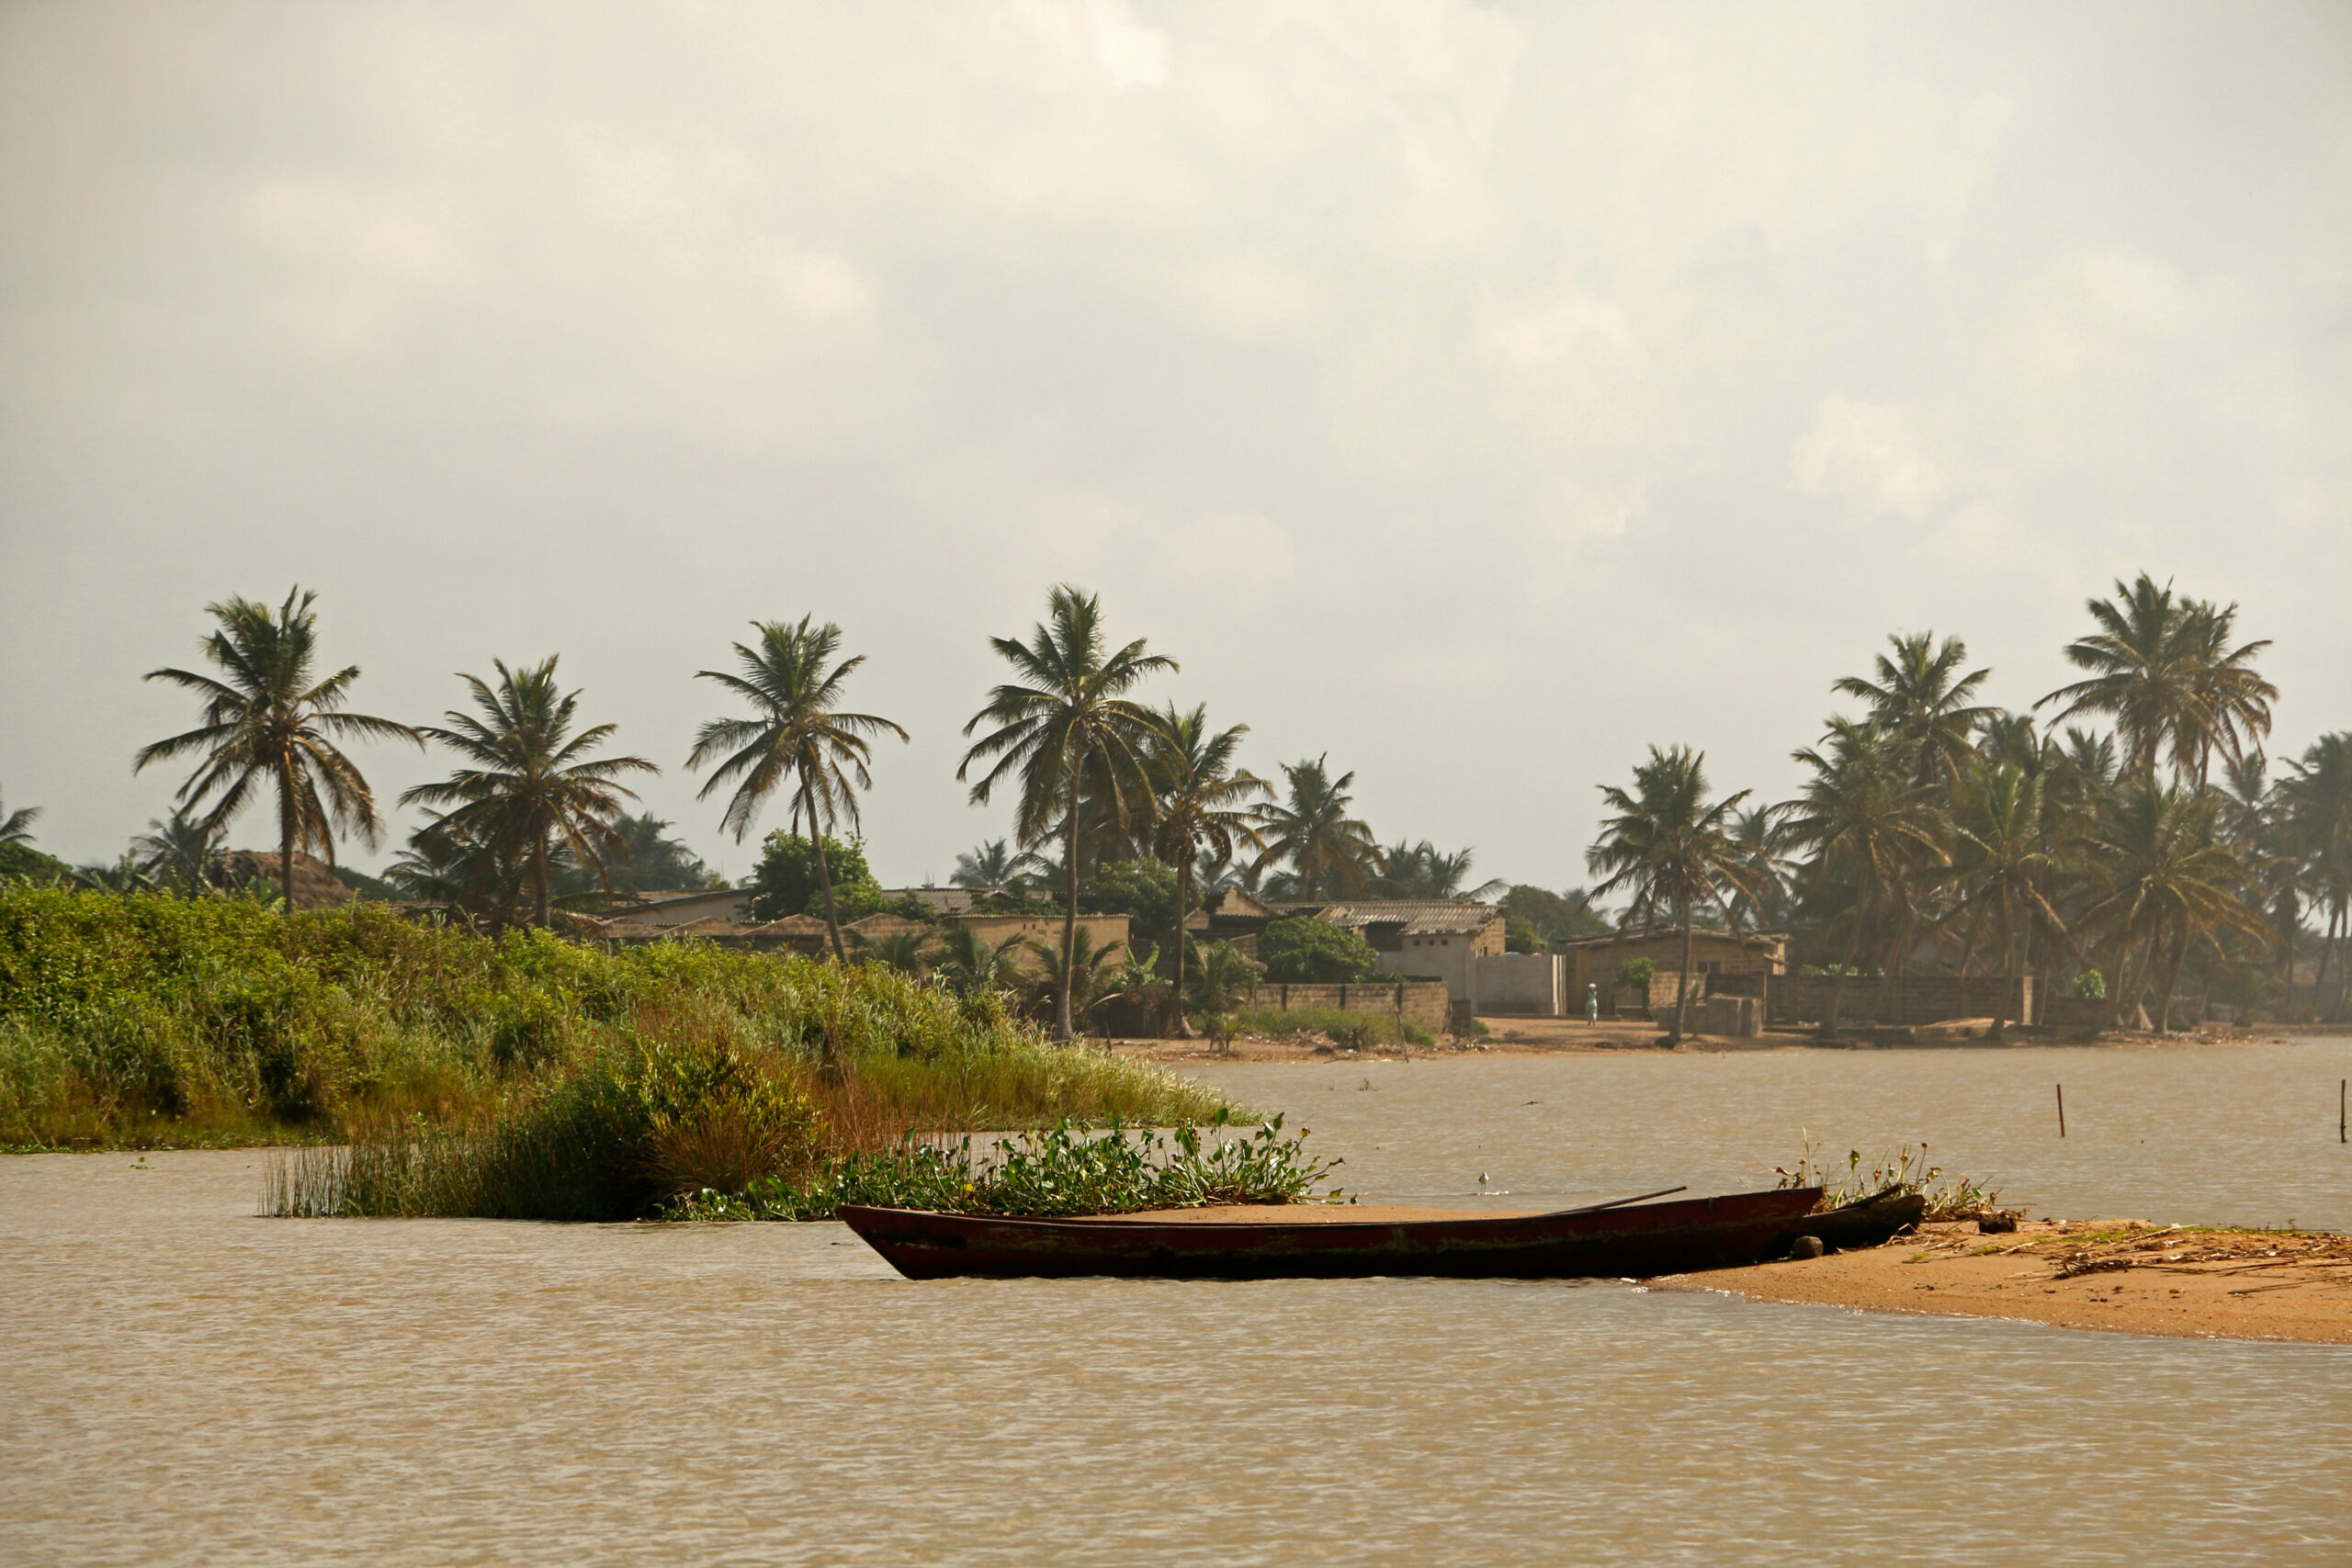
2123 1275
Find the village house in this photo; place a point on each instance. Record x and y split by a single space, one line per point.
1595 960
1458 941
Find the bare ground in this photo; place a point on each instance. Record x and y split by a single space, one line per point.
2123 1275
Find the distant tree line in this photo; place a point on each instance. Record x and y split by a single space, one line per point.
2131 861
1932 829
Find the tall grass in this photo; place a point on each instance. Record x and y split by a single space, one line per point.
153 1020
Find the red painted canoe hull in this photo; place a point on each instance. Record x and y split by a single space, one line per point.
1634 1242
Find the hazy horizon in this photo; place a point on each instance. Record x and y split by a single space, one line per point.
1475 394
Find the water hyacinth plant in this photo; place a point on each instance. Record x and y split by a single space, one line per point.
1060 1172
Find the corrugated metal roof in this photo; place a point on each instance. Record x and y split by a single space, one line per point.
1416 917
1746 938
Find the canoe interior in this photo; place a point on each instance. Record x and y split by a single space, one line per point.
1635 1241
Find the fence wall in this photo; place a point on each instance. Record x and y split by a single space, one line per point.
1424 1001
1521 985
1910 999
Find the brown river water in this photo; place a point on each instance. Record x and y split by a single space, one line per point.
183 1382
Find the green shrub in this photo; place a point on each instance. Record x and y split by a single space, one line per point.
1634 974
1302 949
2091 985
785 881
150 1018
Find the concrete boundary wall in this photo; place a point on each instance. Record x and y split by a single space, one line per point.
1424 1001
1909 998
1523 984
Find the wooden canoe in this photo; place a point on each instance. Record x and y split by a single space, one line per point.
1613 1241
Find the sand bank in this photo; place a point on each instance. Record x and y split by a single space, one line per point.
2123 1275
1574 1036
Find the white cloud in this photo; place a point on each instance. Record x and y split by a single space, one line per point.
1869 455
1245 548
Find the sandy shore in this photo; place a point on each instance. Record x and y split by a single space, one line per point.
2122 1275
1571 1036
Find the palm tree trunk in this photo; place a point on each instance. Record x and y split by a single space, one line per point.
2172 979
1682 998
824 872
540 879
2290 945
1062 1030
2007 949
1184 897
286 834
2326 952
1837 981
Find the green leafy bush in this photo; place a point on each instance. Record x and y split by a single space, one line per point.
785 881
2091 985
1634 974
1143 890
1302 949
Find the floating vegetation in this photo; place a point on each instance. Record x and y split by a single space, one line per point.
1902 1169
1059 1172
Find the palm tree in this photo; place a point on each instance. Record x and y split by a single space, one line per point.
1761 832
1201 818
1330 852
1873 832
532 787
179 851
972 963
16 827
125 876
652 860
1224 979
1424 872
449 864
268 721
908 952
2232 702
2003 862
2163 668
995 863
1086 980
2168 882
2315 808
1922 701
1671 849
800 732
1064 718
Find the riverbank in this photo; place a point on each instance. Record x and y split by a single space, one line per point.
2123 1276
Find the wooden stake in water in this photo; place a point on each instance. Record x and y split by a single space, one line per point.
2062 1110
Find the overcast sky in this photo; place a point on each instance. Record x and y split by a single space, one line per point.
1479 394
